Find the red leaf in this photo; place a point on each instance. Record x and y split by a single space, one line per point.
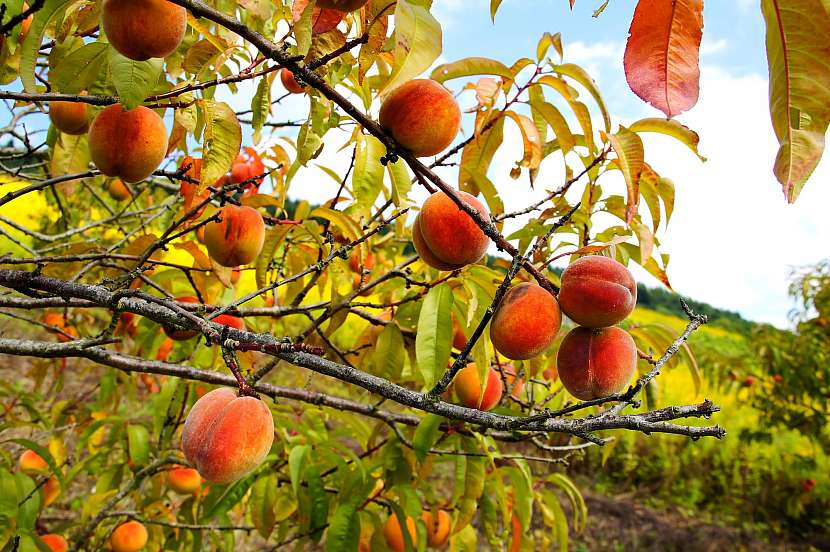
663 53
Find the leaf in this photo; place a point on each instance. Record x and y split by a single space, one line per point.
546 42
471 66
70 155
433 341
799 73
418 42
579 75
138 444
296 458
231 497
531 141
389 355
401 183
319 502
134 80
631 159
80 68
494 7
477 156
262 505
558 123
663 53
273 239
222 140
426 434
672 128
44 453
30 50
367 178
344 529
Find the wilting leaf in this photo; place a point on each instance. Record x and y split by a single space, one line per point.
663 53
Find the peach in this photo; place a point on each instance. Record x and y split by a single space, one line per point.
290 83
238 238
51 491
446 237
143 29
459 340
422 116
188 189
247 166
368 262
525 322
130 536
467 387
594 363
226 436
128 144
32 462
164 350
394 535
184 480
118 190
230 320
59 321
176 333
70 117
438 527
56 543
342 5
597 292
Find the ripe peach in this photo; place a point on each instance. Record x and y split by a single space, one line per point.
143 29
778 378
749 381
31 462
290 83
130 536
438 527
129 144
595 363
225 436
177 334
238 238
597 292
368 261
445 237
230 320
422 116
164 350
60 322
184 480
56 543
188 189
342 5
468 388
118 190
459 340
70 117
51 491
525 322
394 535
247 166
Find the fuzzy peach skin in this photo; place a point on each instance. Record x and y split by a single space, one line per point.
597 292
118 190
51 491
342 5
422 116
184 480
31 462
238 238
525 322
290 83
56 543
446 237
143 29
467 387
225 436
595 363
128 144
394 536
70 117
459 340
130 536
177 334
438 527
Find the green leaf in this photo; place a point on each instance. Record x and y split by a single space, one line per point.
630 160
262 504
401 183
344 529
554 516
799 75
478 155
367 178
261 103
296 458
231 497
433 341
78 70
30 50
389 355
557 122
273 239
471 66
30 507
134 80
222 140
578 507
669 127
319 503
418 42
138 444
8 495
426 434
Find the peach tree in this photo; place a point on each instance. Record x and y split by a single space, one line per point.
209 363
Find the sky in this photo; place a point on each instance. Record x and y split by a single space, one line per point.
733 239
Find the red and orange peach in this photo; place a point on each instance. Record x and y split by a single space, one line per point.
526 322
597 292
595 363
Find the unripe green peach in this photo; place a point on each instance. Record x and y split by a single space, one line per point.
143 29
129 144
446 237
238 238
594 363
525 322
597 292
226 436
422 116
